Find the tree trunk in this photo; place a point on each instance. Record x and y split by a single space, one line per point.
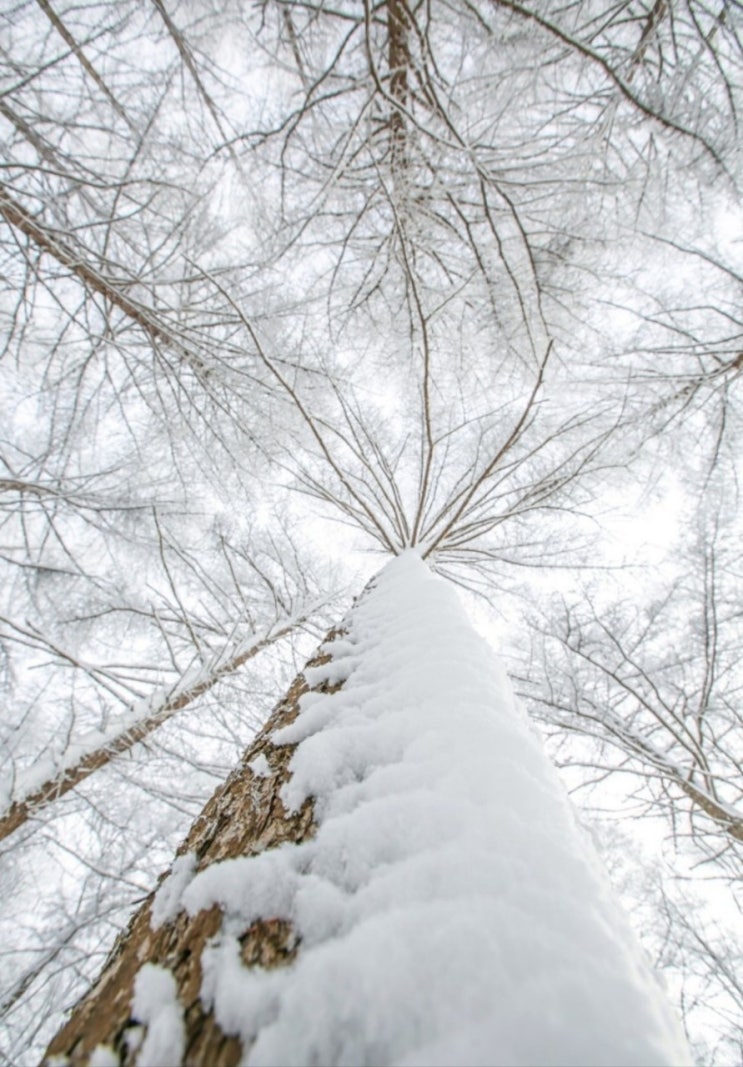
399 61
393 874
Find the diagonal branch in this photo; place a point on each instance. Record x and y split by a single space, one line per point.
187 56
468 498
623 86
67 255
83 60
122 737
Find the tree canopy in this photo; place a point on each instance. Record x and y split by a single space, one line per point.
290 286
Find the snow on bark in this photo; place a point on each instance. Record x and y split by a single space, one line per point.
245 815
447 908
155 1003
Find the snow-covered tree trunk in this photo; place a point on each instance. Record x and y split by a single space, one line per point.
392 875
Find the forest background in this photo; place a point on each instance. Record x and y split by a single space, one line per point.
288 287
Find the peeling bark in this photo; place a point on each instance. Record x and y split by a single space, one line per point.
244 817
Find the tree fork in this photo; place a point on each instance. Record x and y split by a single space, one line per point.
244 817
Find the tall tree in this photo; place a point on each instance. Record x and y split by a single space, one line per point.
351 893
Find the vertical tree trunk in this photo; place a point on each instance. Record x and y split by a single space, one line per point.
392 875
399 61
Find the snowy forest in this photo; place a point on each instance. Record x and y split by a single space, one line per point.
404 339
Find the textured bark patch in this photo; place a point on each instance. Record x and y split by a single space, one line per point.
245 816
268 943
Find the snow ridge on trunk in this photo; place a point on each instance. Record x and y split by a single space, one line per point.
448 909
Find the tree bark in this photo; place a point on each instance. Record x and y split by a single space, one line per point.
244 817
399 61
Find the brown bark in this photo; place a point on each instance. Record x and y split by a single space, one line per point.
399 61
244 817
